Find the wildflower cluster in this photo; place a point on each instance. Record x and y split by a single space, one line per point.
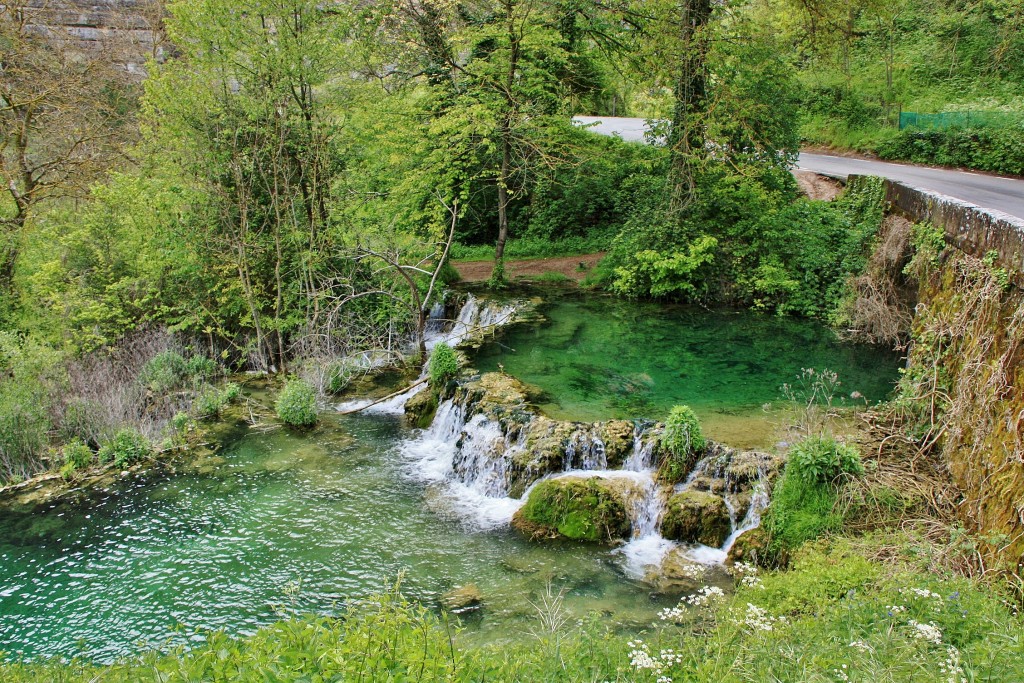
951 668
758 619
640 658
922 593
747 574
693 571
708 595
929 632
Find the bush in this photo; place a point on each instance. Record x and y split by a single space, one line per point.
200 367
296 406
444 364
822 460
683 442
1000 150
126 448
164 371
180 422
76 456
211 400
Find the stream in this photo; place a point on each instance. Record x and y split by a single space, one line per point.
281 522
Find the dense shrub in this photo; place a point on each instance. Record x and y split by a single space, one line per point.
444 364
126 448
803 503
164 371
75 456
296 405
823 460
170 370
683 442
212 400
1000 150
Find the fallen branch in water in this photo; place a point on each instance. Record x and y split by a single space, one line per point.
389 396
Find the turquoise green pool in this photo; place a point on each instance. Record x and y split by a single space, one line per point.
598 357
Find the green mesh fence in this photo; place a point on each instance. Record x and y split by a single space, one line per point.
960 119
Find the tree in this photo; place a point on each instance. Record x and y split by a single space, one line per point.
243 113
65 116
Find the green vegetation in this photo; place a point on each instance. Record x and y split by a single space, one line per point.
444 365
587 509
296 404
683 442
127 447
212 400
804 501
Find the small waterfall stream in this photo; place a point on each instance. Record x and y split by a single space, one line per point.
464 459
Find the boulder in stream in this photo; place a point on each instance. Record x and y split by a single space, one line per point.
577 508
696 517
462 598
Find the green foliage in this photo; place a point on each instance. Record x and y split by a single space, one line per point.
76 456
823 460
169 370
30 372
1000 150
803 505
126 448
683 442
444 365
296 405
211 400
800 512
531 247
180 422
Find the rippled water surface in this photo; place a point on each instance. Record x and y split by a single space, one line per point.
281 522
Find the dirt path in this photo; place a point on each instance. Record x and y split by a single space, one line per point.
573 268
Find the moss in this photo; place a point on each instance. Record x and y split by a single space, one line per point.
581 509
696 517
421 408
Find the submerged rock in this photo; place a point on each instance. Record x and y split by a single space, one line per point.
462 598
696 517
577 508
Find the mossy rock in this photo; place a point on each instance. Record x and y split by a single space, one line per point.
745 468
577 508
696 517
755 547
543 454
499 397
617 436
421 408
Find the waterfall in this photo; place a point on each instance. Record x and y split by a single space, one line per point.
474 317
641 458
585 451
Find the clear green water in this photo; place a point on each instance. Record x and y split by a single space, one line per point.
218 549
597 358
162 558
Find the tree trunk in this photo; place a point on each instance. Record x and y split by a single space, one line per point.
503 199
687 137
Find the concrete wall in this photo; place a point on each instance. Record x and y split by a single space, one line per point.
972 229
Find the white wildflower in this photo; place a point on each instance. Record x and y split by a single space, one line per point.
929 632
895 609
752 582
951 668
922 593
640 657
861 645
693 571
758 619
705 596
743 569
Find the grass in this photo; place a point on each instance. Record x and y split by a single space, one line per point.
527 248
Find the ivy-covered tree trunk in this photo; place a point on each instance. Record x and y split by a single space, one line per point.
687 135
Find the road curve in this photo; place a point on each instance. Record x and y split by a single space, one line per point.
987 191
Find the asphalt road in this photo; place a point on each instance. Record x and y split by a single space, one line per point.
988 191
